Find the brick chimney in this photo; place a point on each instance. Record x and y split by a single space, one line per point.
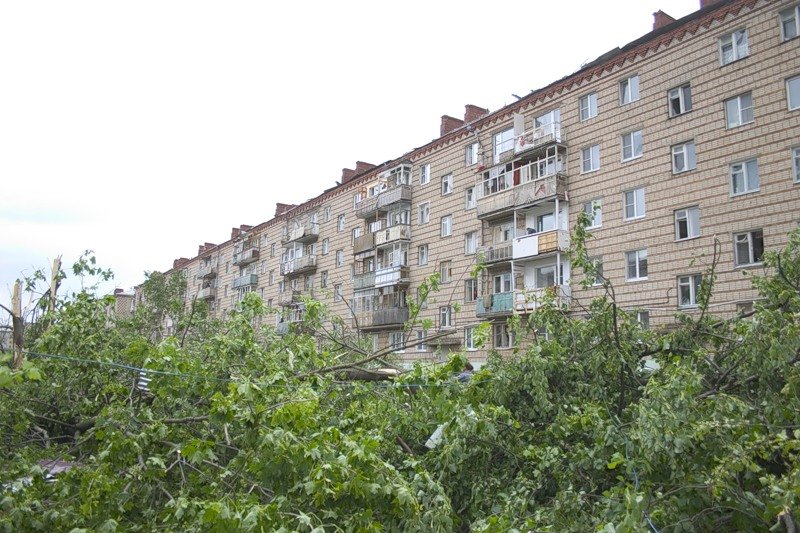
280 209
201 249
362 167
661 19
235 232
244 227
705 3
178 263
449 124
473 113
347 174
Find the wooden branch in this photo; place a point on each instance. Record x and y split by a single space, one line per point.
402 443
185 420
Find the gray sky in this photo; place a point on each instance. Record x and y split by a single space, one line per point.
142 129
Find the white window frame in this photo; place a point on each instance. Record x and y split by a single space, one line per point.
636 200
425 174
339 258
471 290
471 243
643 318
422 254
325 246
471 156
738 111
587 107
446 316
639 258
689 290
340 223
421 336
424 215
790 18
470 198
793 82
500 332
446 226
503 141
590 159
629 90
748 238
688 217
597 262
397 341
796 164
629 142
469 339
736 51
447 184
594 210
684 157
445 271
744 175
682 96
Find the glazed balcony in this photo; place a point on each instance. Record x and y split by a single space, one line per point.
393 275
364 281
299 265
308 232
538 138
529 300
400 232
364 243
245 281
207 293
501 303
206 271
245 257
497 198
497 254
538 244
383 318
369 207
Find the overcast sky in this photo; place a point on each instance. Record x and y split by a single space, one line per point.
142 129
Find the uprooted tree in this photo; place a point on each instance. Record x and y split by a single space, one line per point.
244 429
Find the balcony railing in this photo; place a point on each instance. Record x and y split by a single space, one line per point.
528 300
495 254
364 243
393 233
369 206
299 265
527 192
290 298
245 257
364 281
540 243
207 293
393 275
244 281
498 303
383 318
282 328
206 271
308 232
537 137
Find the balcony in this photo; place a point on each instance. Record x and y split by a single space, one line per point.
206 271
308 232
392 234
538 137
245 281
494 200
245 257
369 207
207 293
299 265
364 281
290 298
497 254
501 303
538 244
384 318
282 328
364 243
529 300
393 275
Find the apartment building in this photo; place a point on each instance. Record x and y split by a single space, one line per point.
680 143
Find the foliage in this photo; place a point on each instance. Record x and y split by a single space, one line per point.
245 429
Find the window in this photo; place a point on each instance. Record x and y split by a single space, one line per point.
744 309
501 283
425 174
472 154
634 204
680 100
643 318
733 46
272 250
422 298
687 223
424 212
594 210
340 223
447 184
590 158
422 254
396 341
790 28
793 92
308 283
421 346
632 145
339 258
337 292
629 90
471 242
796 164
471 199
447 226
323 280
503 338
326 214
325 245
688 290
636 262
683 157
271 277
446 316
281 286
588 106
469 339
503 142
470 290
739 110
445 271
744 177
748 247
356 233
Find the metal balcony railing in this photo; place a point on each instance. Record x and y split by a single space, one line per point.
364 243
245 257
244 281
528 300
501 302
364 281
495 254
393 275
299 265
393 233
207 293
308 232
206 271
369 206
538 137
385 317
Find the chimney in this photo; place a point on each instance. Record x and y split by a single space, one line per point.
449 124
347 174
178 263
362 167
705 3
244 228
235 232
661 19
201 249
473 113
280 209
118 291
